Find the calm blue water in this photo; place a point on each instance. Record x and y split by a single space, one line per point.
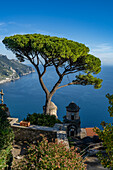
26 96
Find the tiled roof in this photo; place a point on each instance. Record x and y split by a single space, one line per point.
90 132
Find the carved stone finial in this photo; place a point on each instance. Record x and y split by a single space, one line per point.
2 96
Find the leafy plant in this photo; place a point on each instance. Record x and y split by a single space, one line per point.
106 135
6 139
50 156
42 119
4 107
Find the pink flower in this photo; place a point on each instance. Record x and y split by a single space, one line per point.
40 159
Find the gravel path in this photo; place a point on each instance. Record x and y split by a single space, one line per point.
94 164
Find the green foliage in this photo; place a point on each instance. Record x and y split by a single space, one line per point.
3 107
58 52
51 47
110 108
89 80
106 135
42 119
51 156
6 139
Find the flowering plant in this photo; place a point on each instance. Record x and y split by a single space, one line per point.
50 156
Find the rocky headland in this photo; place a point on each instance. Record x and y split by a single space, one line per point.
11 70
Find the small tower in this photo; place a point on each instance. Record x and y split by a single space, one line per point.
72 120
52 109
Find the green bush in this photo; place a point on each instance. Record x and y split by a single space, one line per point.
50 156
6 139
106 135
42 119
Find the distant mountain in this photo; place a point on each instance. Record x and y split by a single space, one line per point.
12 69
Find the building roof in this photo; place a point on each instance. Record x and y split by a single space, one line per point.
72 107
90 132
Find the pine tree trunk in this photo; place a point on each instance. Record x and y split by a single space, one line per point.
47 105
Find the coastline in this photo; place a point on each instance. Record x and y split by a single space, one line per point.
6 80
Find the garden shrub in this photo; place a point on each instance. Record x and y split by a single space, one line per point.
50 156
106 135
42 119
6 139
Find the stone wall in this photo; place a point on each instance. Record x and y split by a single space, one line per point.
34 132
68 115
31 135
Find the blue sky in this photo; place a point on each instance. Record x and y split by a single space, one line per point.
86 21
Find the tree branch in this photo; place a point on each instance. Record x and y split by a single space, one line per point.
56 67
56 86
58 72
70 72
77 83
40 76
36 54
43 71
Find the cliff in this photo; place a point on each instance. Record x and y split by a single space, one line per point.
12 69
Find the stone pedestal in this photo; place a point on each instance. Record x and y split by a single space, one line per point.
52 109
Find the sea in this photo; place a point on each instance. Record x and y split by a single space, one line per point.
25 95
